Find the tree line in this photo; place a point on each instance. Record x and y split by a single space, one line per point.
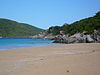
88 24
10 28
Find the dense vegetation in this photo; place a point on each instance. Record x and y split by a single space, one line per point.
87 24
9 28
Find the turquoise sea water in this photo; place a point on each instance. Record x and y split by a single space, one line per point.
13 43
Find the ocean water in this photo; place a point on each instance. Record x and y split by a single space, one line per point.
13 43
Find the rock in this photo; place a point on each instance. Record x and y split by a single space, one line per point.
77 38
89 39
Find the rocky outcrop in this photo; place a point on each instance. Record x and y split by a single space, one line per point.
78 38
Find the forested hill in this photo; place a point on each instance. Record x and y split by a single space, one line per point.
10 28
87 24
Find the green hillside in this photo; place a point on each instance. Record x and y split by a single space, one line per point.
10 28
87 24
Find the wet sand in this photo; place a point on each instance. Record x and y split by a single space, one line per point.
69 59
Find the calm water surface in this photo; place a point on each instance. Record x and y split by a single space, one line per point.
13 43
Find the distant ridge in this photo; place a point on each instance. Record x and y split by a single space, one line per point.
10 28
87 24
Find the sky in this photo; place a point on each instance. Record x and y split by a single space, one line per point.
47 13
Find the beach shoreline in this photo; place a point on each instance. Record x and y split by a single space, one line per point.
72 59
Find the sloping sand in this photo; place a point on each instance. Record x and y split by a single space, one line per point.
70 59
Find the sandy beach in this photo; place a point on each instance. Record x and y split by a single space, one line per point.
69 59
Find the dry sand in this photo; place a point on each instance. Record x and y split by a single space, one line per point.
71 59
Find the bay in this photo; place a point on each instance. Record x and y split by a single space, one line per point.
13 43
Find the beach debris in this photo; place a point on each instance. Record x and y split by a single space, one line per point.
67 71
93 50
41 59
